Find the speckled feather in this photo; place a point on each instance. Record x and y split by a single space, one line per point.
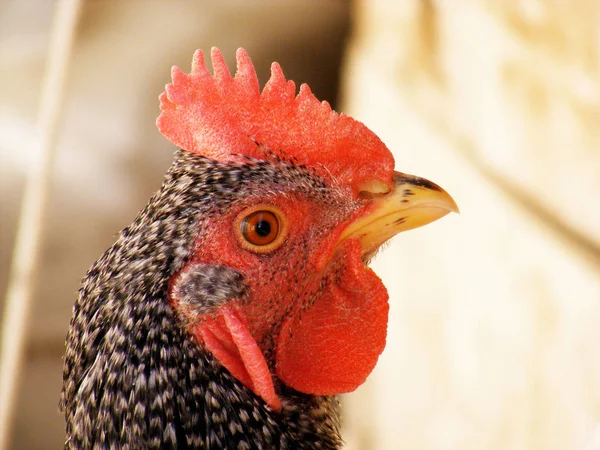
133 375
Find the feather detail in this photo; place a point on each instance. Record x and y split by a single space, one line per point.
222 117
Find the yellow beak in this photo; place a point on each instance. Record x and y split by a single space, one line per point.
413 202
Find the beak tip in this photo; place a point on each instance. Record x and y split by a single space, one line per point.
447 202
454 207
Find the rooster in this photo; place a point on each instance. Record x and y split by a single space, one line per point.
239 303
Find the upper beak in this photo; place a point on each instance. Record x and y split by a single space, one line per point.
413 202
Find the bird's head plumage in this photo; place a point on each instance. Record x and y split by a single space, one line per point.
277 287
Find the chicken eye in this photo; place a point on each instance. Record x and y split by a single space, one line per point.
261 229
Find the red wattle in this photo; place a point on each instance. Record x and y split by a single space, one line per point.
230 341
334 345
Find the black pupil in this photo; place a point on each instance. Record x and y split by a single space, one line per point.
263 228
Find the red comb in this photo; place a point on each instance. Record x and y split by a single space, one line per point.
222 117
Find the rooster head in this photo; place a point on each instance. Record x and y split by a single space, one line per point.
300 198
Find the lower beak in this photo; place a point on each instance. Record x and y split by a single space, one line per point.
413 202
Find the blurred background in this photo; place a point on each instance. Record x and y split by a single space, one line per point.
494 335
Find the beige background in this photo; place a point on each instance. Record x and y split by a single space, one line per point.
494 339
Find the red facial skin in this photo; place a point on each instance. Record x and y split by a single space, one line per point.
313 311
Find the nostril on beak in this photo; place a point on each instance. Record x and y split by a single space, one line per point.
373 188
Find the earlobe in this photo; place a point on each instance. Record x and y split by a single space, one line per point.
228 338
201 289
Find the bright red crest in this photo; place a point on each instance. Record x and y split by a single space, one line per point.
222 117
